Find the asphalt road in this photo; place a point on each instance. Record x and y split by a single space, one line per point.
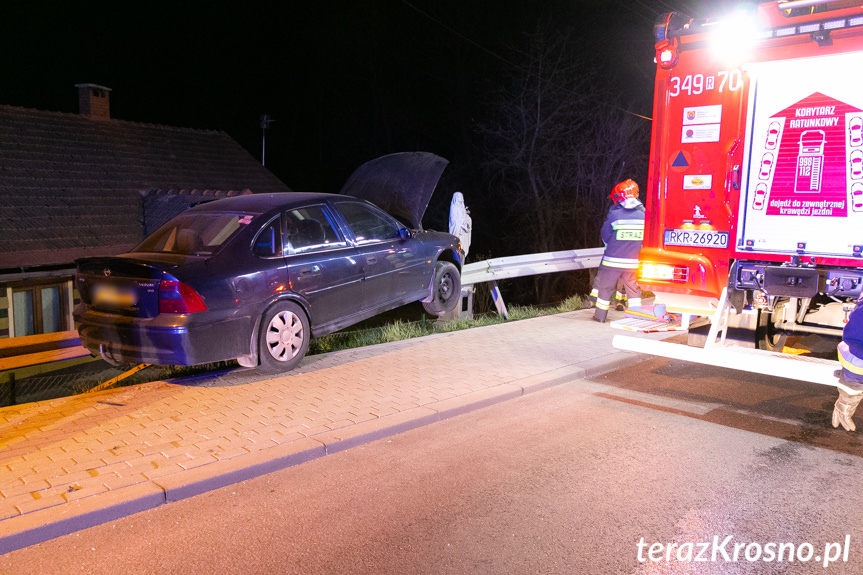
662 460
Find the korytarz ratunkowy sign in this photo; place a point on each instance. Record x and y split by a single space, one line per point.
804 184
809 158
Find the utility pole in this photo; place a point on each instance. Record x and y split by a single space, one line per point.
265 123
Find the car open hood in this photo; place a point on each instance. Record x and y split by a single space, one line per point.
401 184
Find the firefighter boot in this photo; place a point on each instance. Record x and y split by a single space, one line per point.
620 304
591 299
600 314
844 409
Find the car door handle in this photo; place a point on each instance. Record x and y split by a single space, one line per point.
310 270
371 259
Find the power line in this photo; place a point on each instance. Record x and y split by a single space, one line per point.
667 7
459 34
494 54
651 12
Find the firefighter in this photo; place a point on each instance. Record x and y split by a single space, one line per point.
851 377
621 233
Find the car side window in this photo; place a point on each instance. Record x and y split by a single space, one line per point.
311 228
368 224
269 242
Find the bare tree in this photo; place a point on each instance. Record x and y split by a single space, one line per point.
554 144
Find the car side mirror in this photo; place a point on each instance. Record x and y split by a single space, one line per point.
405 234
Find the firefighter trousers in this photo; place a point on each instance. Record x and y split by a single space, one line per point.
606 284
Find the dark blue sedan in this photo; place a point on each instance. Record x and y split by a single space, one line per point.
254 277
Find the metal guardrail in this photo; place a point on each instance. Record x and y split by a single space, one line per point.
520 266
530 264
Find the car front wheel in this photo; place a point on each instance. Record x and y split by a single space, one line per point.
446 289
284 337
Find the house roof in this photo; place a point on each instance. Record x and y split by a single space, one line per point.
71 186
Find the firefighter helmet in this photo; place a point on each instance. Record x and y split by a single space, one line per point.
623 190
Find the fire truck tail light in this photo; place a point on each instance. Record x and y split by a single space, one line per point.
667 57
664 272
656 272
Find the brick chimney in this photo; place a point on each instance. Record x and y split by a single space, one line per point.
93 101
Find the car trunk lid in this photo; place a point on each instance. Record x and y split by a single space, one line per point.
120 285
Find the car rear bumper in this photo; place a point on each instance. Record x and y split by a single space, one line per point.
167 339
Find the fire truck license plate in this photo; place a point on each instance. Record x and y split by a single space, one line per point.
696 238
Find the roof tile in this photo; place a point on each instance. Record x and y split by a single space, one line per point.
71 186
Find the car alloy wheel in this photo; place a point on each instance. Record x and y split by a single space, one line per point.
284 338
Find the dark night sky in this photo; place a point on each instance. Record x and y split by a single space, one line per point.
345 80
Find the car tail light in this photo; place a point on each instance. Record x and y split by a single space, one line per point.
177 297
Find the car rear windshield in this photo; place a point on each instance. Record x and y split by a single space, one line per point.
194 233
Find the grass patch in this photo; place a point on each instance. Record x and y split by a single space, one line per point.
400 330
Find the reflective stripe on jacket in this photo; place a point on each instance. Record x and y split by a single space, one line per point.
623 263
848 360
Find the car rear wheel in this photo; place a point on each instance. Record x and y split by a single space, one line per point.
284 337
446 291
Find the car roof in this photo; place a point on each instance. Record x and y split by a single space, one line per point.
260 203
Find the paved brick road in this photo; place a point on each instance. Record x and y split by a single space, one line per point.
70 463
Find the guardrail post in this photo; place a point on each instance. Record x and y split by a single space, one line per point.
498 301
467 310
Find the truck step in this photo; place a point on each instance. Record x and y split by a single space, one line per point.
799 367
648 325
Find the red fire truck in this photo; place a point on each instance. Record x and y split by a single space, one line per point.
755 192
